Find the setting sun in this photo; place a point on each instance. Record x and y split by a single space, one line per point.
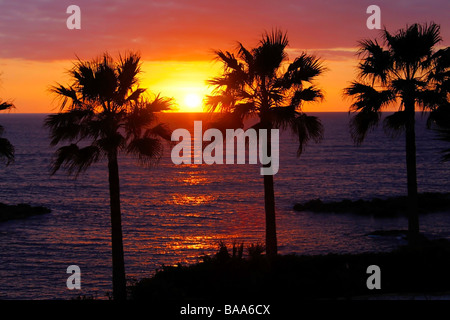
193 101
182 81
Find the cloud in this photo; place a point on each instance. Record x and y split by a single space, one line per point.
329 54
190 29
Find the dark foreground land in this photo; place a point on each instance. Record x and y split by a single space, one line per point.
428 202
422 270
20 211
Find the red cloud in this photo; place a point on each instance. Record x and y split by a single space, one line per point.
189 30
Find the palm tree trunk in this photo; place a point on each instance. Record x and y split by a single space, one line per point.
118 263
269 196
413 216
269 206
271 229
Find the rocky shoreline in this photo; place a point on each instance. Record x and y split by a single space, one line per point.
428 202
20 211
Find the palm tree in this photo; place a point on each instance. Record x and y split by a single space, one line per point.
401 71
440 117
106 112
443 129
6 148
262 82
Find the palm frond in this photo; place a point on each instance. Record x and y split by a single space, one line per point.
96 80
439 121
260 82
444 135
395 123
430 99
6 148
440 116
106 82
84 79
368 98
304 69
75 160
410 86
309 94
137 120
244 110
159 104
6 151
147 150
440 62
283 117
246 55
111 142
275 38
376 63
6 105
414 43
128 69
269 55
68 126
307 128
109 110
67 95
161 130
135 95
223 102
361 123
228 59
141 116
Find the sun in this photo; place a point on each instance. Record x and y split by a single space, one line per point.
193 101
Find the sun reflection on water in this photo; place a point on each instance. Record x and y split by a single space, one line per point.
194 180
189 200
201 242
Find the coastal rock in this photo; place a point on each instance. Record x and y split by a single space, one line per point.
20 211
428 202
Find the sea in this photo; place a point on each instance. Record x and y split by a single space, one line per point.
175 214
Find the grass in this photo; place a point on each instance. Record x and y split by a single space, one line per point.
225 276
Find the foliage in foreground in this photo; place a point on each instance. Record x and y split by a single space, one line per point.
423 269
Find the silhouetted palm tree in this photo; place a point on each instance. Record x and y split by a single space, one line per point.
262 82
106 112
440 116
443 130
6 148
401 71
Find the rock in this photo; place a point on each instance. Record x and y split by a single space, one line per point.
20 211
428 202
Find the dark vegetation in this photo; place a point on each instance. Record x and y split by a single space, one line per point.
427 202
20 211
257 82
405 69
106 107
422 269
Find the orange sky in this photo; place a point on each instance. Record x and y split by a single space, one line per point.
176 39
